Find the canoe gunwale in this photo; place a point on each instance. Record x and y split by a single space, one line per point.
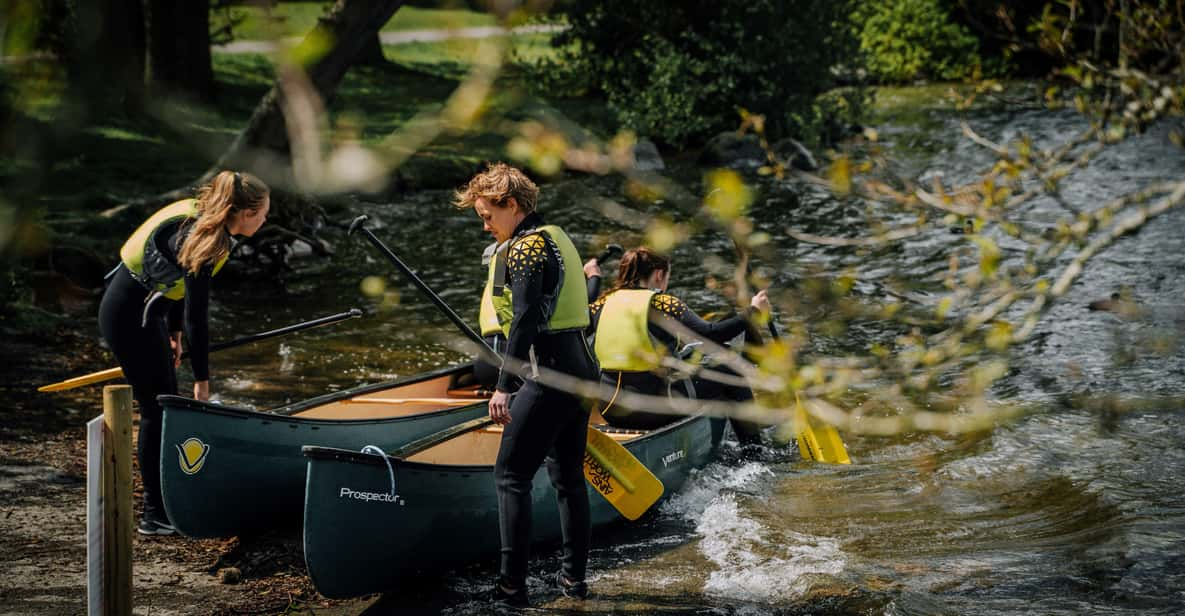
288 411
346 455
175 402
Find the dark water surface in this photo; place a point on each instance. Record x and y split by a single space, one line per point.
1065 512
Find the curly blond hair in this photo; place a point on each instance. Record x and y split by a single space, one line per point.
498 183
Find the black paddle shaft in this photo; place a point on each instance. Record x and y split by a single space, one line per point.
357 224
333 318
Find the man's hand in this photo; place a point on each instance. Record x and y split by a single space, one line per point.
175 344
592 268
500 408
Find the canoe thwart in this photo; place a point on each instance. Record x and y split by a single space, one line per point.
472 391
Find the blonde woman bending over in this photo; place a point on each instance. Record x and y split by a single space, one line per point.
161 284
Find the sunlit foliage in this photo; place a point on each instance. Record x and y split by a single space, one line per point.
915 39
678 71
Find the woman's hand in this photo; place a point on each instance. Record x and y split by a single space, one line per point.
760 301
592 268
500 408
175 344
201 390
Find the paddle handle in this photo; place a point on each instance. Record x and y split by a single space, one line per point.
87 379
611 250
358 225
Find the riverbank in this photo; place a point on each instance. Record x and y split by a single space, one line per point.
43 516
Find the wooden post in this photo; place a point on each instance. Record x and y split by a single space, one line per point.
117 500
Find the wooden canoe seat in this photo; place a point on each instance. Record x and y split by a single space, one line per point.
617 435
470 391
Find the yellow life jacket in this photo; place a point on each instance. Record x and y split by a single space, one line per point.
623 342
571 305
144 260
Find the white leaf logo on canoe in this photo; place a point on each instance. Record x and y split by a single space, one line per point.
192 455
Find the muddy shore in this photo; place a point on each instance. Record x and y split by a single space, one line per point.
43 508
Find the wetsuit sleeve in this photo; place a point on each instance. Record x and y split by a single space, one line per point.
594 288
197 322
526 262
663 305
594 315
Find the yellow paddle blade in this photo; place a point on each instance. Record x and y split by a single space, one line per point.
620 477
808 444
86 379
831 445
822 445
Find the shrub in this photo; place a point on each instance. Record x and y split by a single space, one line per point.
906 40
679 71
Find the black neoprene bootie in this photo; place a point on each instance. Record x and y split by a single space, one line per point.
503 594
572 590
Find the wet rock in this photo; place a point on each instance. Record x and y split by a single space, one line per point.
792 152
745 152
967 228
68 279
732 150
646 156
230 575
1120 304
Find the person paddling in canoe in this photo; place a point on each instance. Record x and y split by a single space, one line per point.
161 284
630 341
536 295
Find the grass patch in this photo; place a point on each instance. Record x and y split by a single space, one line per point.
71 168
914 103
294 19
453 58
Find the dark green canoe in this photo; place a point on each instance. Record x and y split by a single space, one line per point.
227 471
361 537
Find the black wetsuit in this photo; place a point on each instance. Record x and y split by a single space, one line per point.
545 423
664 305
138 335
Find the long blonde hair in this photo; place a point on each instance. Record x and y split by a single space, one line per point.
207 241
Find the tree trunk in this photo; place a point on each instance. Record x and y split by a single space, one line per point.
349 26
371 53
105 54
179 48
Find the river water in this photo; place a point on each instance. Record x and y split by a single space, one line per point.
1061 512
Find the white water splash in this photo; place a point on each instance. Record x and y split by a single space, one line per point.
709 482
235 383
758 563
286 361
753 562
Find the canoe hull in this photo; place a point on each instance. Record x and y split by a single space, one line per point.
359 539
227 471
